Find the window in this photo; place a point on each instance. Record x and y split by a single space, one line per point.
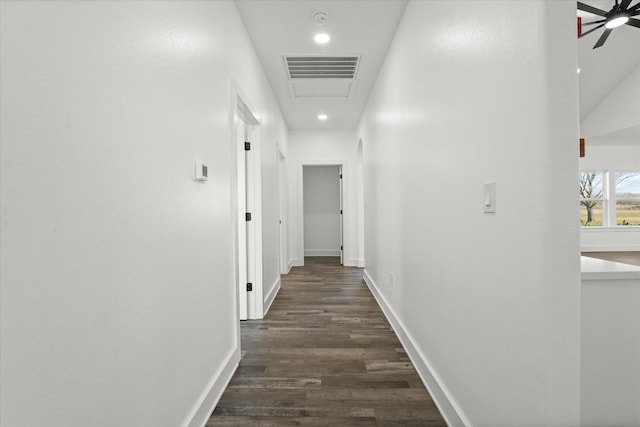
627 198
609 198
592 198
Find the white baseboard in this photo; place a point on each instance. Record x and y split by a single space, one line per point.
449 409
610 248
321 252
204 407
295 262
271 296
289 266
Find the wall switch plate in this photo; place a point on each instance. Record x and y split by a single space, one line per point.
489 197
201 171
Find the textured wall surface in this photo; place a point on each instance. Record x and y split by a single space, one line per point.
118 297
490 300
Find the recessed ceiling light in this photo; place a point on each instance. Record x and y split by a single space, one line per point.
322 38
322 117
616 22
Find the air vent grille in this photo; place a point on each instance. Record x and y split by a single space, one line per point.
322 67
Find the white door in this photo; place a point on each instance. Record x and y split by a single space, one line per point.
250 224
341 220
242 229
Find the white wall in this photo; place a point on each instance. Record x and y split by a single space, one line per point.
321 210
610 353
118 298
619 110
273 140
610 342
611 158
323 148
487 304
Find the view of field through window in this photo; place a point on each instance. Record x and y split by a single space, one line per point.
627 198
598 189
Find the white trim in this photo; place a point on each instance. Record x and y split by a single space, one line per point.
283 204
202 410
450 410
322 252
295 262
290 265
242 112
271 296
610 248
617 228
360 201
300 195
255 136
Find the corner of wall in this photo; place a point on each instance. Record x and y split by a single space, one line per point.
210 397
447 406
271 296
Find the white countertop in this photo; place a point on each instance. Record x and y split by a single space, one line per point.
600 269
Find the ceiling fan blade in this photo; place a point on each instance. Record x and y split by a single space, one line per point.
635 6
591 9
603 38
591 30
594 22
624 5
634 22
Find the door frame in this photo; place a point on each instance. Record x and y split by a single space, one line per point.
283 206
343 165
242 114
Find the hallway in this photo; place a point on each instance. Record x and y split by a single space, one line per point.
133 131
324 354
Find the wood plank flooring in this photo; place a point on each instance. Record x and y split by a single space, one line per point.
324 355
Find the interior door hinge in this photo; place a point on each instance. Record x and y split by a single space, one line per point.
340 176
247 216
249 287
340 211
341 248
247 146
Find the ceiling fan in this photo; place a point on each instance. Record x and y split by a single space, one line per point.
620 14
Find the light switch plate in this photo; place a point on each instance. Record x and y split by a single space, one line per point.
201 171
489 197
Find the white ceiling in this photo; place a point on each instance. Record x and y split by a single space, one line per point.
366 28
629 136
356 27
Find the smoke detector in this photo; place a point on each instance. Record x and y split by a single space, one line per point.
320 17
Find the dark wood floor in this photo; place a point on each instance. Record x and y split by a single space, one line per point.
324 355
628 257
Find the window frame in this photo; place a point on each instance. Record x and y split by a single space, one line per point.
603 199
622 199
608 199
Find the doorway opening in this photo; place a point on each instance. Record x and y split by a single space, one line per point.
323 211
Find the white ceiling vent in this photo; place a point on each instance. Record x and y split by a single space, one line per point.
322 67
